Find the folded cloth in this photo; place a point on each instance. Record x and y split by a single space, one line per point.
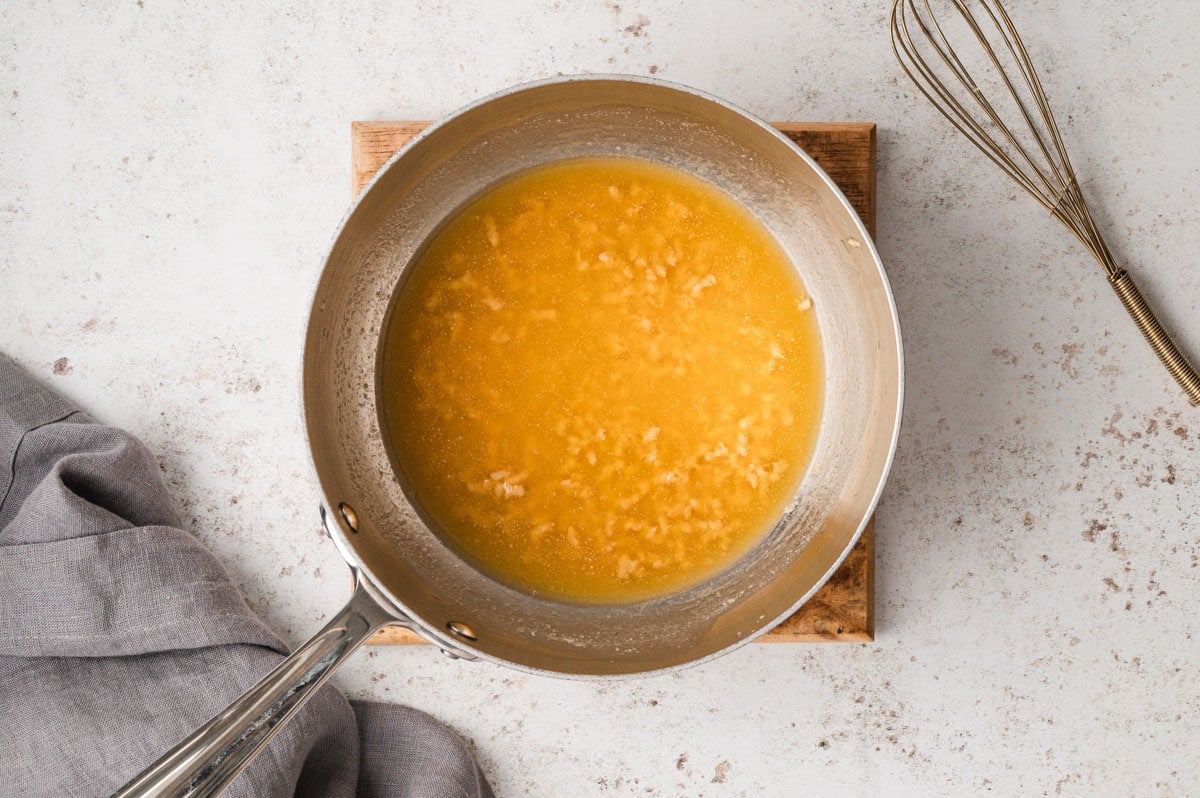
120 634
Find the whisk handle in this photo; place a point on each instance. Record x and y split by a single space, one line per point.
1183 371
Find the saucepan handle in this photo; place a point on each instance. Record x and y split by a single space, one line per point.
203 763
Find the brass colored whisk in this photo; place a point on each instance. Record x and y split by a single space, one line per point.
1031 151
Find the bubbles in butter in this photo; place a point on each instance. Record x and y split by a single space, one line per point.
601 380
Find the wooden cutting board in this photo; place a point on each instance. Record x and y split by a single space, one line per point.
843 610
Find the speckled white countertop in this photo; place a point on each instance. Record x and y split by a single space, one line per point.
170 175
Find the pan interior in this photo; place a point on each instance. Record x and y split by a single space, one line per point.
575 119
549 332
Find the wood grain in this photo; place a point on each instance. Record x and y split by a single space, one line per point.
843 610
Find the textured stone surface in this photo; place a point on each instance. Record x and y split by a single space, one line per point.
170 177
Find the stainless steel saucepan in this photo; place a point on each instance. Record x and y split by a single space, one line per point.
403 573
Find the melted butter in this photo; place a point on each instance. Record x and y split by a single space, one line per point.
602 380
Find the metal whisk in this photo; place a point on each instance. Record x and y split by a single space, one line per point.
1030 150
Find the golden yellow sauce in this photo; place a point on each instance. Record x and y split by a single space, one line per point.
601 380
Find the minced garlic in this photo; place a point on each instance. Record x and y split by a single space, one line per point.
602 381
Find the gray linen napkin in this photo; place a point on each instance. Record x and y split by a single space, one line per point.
120 634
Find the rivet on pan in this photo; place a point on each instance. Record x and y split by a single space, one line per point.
349 516
461 629
449 653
